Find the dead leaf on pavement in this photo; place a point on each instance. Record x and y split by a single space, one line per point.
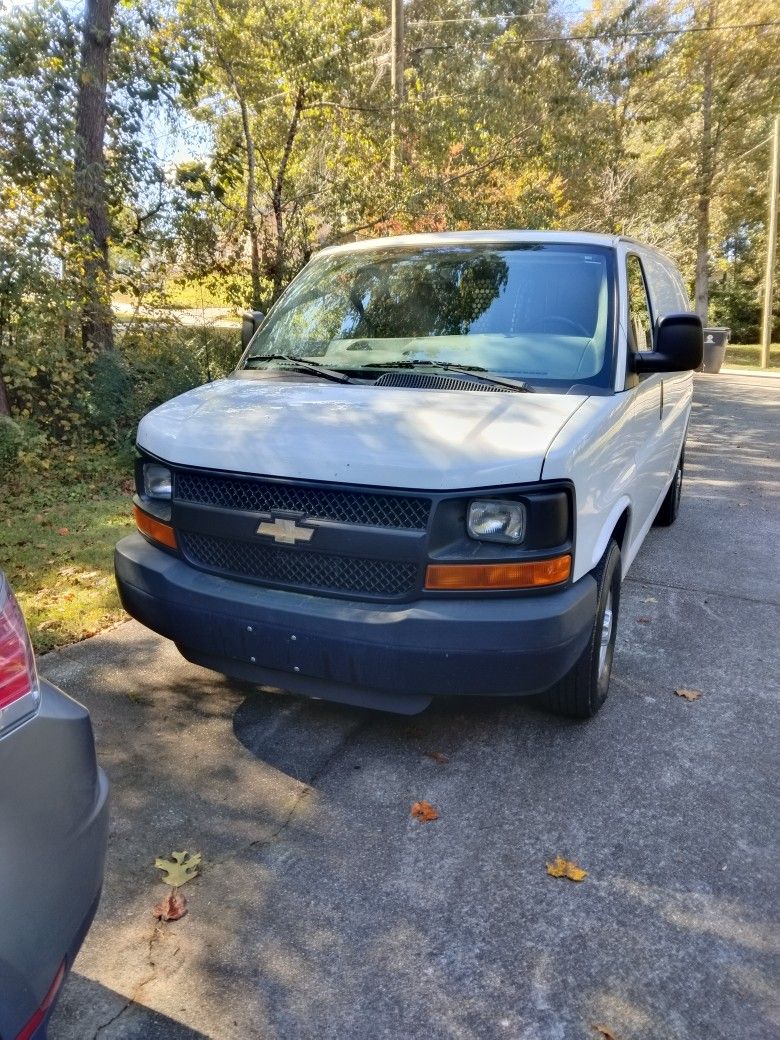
688 695
607 1034
437 756
565 868
424 812
644 620
173 907
180 868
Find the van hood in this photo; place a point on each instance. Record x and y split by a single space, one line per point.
435 440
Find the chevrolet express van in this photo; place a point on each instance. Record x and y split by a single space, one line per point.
429 473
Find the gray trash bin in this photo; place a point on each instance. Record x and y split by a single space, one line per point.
715 343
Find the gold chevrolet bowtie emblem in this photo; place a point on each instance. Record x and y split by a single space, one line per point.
287 532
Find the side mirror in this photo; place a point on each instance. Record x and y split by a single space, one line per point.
250 323
679 345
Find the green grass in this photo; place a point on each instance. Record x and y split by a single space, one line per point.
748 355
58 528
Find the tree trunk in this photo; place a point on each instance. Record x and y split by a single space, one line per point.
5 404
277 195
90 182
702 291
249 208
705 180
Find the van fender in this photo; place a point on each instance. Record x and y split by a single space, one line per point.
600 545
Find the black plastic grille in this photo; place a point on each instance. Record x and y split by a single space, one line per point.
371 509
299 567
428 381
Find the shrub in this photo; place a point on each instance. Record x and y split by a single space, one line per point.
11 440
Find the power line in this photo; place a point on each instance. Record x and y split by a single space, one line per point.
638 33
652 32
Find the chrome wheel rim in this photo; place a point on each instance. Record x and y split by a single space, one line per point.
606 635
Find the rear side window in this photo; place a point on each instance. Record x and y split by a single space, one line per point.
667 294
640 325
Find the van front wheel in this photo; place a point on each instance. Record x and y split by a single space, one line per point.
670 507
581 693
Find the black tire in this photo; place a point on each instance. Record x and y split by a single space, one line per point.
581 693
670 506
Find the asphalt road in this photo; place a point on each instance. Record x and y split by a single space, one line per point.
325 912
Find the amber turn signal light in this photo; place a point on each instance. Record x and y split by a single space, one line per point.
532 574
155 529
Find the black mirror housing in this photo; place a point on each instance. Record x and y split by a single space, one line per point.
250 323
679 345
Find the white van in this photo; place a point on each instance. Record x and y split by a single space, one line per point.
432 468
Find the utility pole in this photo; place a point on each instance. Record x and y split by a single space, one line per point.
396 74
771 246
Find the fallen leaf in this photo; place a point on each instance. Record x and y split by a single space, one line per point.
173 907
424 812
606 1033
564 868
46 625
180 868
63 530
644 620
688 695
437 756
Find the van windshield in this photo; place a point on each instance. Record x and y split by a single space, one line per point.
532 311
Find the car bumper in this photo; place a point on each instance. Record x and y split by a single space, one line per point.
53 835
382 655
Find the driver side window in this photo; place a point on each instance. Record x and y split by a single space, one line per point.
640 326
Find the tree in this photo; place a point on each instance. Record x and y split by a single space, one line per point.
713 94
90 173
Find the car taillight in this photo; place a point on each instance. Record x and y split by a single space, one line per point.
32 1026
17 663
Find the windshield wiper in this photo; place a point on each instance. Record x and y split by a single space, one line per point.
311 367
475 371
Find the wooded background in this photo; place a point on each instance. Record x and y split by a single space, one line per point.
155 148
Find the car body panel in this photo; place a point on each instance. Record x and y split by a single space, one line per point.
621 452
53 833
381 437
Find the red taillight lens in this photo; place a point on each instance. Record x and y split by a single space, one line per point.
48 1000
17 663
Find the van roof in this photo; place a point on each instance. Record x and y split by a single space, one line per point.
456 238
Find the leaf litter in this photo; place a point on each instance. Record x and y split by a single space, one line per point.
172 908
688 695
424 812
180 868
565 868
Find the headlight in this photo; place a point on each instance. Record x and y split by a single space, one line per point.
158 481
496 520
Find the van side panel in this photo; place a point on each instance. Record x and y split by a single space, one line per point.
594 449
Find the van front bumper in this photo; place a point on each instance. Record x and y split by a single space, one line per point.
377 654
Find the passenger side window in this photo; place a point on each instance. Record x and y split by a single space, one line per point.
640 326
667 295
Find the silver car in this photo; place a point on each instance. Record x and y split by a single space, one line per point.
53 831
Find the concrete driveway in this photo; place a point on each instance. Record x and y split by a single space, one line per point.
325 912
